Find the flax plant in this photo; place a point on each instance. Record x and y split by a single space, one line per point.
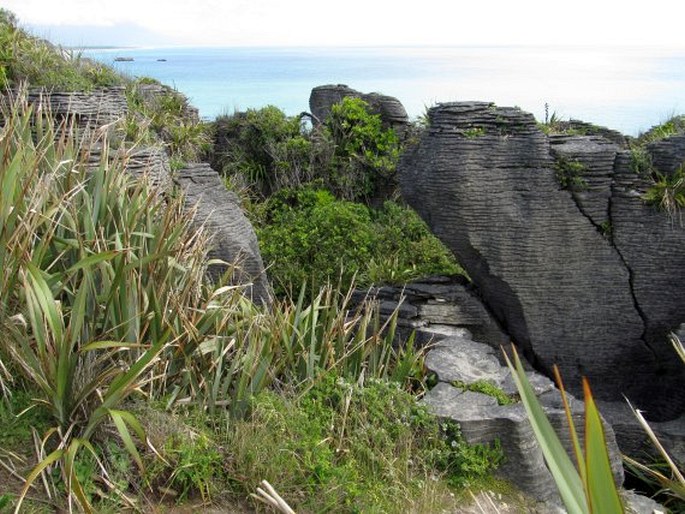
101 285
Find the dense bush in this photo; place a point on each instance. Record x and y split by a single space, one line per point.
306 235
351 154
364 154
268 149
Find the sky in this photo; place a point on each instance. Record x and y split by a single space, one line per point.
350 22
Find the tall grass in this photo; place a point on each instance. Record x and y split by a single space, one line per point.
101 279
103 298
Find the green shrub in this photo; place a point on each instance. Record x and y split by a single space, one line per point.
569 173
267 148
307 236
364 154
310 237
348 446
405 249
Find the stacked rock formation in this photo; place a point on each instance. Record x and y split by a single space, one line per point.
459 361
390 109
590 280
435 307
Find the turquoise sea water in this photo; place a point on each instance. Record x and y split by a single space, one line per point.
628 89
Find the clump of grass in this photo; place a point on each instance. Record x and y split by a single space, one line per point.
485 387
344 446
25 58
671 127
668 192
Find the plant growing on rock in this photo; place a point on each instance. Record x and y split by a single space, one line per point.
364 154
668 191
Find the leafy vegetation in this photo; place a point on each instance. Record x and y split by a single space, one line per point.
668 191
109 325
569 173
485 387
350 446
307 236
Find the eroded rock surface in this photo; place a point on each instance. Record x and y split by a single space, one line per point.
459 360
233 237
590 280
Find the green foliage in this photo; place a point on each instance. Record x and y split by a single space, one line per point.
267 148
671 127
18 415
313 238
364 153
193 466
668 191
343 446
99 276
569 173
474 132
162 113
307 236
485 387
25 58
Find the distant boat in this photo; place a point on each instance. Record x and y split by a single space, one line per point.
123 59
161 60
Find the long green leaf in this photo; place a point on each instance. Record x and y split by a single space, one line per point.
564 473
120 419
603 495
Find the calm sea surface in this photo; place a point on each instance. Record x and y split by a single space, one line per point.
629 89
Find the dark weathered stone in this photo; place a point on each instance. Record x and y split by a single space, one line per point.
482 177
592 191
89 109
437 306
652 246
390 109
233 238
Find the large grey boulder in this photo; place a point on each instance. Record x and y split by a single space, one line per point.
233 238
573 279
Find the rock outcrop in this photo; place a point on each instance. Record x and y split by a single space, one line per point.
436 307
482 420
88 109
233 238
588 278
390 109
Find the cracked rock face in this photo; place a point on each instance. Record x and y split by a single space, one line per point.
590 280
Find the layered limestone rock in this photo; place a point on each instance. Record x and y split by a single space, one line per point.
233 238
589 279
462 361
436 307
390 109
89 109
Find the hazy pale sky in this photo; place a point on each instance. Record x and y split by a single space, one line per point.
352 22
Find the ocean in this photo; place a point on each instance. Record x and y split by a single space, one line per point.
624 88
